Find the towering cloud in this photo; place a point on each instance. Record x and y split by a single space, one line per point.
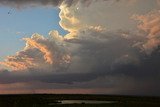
39 53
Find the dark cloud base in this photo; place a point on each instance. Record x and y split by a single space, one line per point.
145 77
28 3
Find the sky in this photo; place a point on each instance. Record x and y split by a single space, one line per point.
20 23
80 47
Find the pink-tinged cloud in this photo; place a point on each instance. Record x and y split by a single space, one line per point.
150 24
43 48
40 52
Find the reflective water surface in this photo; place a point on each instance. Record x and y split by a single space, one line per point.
82 102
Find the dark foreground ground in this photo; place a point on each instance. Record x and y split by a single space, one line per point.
49 100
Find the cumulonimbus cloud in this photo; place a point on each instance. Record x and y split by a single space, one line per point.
95 49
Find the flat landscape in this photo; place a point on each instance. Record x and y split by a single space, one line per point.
77 100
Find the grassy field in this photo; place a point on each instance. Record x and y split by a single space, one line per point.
49 100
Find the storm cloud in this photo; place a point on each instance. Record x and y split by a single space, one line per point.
27 3
105 51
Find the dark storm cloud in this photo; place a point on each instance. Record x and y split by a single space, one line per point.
99 55
99 60
21 3
95 56
17 3
12 77
124 79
